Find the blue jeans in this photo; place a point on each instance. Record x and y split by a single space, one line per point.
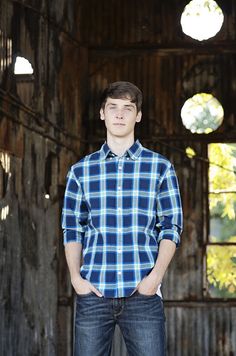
140 317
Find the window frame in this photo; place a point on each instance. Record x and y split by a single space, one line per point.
206 232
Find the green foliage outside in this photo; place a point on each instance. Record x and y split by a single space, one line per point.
221 260
221 269
223 179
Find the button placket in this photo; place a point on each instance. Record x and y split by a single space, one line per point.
119 222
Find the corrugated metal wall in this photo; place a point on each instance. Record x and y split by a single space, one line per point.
40 117
201 329
112 24
167 81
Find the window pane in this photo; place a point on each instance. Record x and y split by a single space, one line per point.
222 196
221 271
222 228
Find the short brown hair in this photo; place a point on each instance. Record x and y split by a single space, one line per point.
122 90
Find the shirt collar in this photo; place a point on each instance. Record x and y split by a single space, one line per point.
133 152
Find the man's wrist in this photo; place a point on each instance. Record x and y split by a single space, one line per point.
75 276
157 275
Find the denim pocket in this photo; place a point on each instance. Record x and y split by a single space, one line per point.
85 295
145 295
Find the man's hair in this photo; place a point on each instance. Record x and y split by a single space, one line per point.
122 90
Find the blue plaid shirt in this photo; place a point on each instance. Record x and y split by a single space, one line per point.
120 208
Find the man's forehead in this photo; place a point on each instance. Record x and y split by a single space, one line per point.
124 101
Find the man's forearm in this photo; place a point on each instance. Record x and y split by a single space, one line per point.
150 283
73 257
165 254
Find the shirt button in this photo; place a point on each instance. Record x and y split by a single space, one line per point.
110 157
119 230
119 187
120 167
119 250
127 158
119 272
119 209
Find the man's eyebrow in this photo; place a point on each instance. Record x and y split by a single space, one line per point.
125 105
113 104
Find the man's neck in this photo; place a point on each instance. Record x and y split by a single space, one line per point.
120 145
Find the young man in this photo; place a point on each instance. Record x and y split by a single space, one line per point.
122 212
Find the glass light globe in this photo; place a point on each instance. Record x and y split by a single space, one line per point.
202 113
202 19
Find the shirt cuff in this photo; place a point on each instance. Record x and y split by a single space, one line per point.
169 234
72 236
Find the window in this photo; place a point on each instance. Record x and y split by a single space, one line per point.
202 19
24 76
5 52
221 247
202 113
23 66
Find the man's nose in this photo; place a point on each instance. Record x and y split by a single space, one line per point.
119 114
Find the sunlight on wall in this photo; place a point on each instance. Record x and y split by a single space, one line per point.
5 52
5 161
5 171
190 153
4 212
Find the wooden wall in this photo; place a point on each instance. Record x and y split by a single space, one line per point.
40 120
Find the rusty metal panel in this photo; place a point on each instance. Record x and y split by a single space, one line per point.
197 329
25 301
201 329
167 81
141 23
40 121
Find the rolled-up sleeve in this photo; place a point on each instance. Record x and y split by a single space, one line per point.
74 212
169 208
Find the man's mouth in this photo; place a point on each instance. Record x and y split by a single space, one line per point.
119 124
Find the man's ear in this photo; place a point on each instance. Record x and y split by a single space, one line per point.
102 117
139 116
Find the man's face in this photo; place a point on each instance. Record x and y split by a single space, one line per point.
120 116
